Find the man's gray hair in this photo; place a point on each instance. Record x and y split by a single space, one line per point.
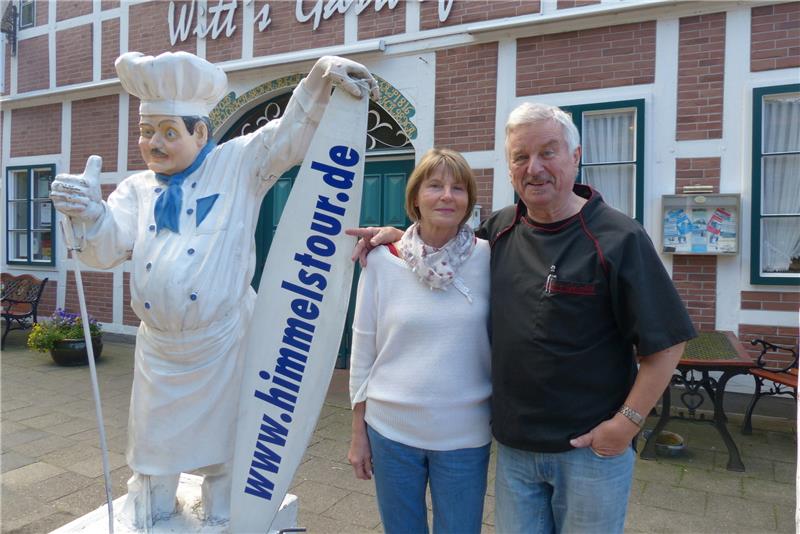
529 113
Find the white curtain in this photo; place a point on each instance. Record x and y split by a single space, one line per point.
780 183
609 137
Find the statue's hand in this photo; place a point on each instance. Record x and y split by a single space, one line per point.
78 196
351 76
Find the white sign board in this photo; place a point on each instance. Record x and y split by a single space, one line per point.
297 324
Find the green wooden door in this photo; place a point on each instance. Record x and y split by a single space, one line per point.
382 204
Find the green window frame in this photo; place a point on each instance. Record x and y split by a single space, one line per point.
582 113
763 211
30 215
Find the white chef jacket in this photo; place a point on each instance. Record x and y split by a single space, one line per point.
192 291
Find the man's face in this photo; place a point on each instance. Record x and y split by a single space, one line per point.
166 145
542 168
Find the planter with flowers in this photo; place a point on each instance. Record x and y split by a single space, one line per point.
62 336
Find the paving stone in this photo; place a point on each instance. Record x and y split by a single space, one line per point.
30 474
28 412
19 510
769 492
637 489
44 422
315 523
74 426
70 455
58 486
357 509
653 520
317 497
23 436
724 483
93 467
683 500
746 512
754 466
47 523
330 449
668 473
12 460
786 519
335 431
42 446
785 472
82 501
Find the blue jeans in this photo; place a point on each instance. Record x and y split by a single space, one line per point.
564 492
457 479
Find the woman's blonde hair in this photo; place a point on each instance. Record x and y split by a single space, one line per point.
452 161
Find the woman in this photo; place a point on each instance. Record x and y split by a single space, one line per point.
420 363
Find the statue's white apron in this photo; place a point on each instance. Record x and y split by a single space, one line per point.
184 400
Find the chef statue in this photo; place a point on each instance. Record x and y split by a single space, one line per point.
187 224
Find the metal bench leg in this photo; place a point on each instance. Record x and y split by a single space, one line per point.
6 329
747 426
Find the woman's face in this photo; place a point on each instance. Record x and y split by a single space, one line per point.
441 200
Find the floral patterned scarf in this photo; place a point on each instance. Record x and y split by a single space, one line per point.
437 268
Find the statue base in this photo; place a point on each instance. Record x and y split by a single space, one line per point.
185 520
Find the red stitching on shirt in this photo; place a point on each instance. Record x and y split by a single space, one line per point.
596 244
572 288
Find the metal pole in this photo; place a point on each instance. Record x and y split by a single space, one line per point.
73 247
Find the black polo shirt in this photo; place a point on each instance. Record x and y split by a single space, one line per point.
563 351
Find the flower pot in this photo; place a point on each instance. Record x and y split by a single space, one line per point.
70 352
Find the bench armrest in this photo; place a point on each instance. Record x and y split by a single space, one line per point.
767 347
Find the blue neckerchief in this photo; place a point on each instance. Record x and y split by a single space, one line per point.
168 205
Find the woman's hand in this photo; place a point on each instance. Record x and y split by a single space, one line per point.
360 456
360 453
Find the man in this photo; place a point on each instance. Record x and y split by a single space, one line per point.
578 292
187 225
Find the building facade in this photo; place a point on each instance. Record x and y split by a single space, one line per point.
667 95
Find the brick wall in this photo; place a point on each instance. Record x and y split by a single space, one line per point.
6 89
42 12
775 37
568 4
466 91
148 32
780 335
701 62
372 24
484 179
128 316
98 288
36 130
696 171
94 131
285 34
33 73
48 300
226 48
695 278
109 48
108 4
135 161
107 189
771 300
464 11
74 55
587 59
67 9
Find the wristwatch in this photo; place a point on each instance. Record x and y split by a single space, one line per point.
634 416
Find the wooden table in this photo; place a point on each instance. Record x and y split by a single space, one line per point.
710 351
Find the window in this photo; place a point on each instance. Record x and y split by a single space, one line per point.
30 215
775 255
612 160
27 13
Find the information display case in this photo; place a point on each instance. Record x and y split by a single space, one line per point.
700 224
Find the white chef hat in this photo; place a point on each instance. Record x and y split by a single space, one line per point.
172 83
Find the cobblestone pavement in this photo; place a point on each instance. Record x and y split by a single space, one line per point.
52 471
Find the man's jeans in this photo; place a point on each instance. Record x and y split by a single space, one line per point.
566 492
457 479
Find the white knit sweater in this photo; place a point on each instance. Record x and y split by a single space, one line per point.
421 357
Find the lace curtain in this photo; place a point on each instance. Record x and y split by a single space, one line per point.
780 183
609 137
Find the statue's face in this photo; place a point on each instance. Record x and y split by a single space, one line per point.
166 145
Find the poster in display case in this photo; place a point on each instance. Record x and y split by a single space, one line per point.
700 224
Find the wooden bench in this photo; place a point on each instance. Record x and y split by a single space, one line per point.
20 301
783 377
